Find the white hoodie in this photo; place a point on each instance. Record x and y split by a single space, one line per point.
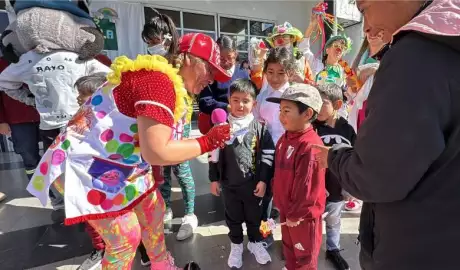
268 112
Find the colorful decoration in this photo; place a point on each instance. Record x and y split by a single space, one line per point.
266 227
324 19
351 74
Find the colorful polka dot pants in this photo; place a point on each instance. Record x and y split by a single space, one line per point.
185 179
123 234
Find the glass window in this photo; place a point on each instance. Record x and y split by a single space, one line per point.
213 35
198 21
234 26
242 42
242 56
175 15
260 28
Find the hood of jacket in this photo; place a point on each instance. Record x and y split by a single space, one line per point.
439 21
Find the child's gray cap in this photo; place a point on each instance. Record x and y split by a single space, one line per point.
303 93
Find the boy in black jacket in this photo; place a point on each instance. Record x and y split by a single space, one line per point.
244 169
333 129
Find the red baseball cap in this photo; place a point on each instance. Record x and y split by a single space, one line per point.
204 47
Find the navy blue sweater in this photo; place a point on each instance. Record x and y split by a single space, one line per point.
216 95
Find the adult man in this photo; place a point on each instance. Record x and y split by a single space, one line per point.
406 159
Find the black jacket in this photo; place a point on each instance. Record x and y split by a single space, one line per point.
341 133
250 160
405 164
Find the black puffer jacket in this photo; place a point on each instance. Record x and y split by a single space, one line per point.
405 164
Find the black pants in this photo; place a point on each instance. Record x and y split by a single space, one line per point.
48 136
241 205
25 138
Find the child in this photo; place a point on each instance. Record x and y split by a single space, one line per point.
277 67
333 129
87 85
243 170
298 184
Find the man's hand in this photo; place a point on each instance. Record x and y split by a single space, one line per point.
215 188
260 189
5 129
322 154
291 223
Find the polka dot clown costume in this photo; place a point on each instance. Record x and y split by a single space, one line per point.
98 157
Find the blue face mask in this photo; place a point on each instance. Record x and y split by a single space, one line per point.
158 49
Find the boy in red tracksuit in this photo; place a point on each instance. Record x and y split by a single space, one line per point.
299 183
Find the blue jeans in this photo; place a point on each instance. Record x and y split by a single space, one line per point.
334 214
25 137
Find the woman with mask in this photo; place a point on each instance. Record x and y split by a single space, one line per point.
159 36
216 95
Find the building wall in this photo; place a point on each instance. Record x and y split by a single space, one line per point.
355 32
296 12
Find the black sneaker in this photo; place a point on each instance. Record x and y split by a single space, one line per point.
145 260
337 260
275 213
267 242
94 260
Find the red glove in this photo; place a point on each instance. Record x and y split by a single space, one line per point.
215 138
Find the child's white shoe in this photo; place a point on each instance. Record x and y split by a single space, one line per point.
259 251
236 256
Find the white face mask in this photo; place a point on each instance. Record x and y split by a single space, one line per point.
158 49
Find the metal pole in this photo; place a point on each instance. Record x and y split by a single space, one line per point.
334 31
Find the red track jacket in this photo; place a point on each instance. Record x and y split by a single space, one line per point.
299 189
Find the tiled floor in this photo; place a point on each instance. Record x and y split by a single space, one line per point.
29 240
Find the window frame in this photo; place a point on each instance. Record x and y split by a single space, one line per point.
217 16
248 25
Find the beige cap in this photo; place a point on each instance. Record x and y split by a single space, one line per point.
303 93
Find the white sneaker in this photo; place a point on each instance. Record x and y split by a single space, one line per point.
168 215
284 268
261 254
236 256
189 224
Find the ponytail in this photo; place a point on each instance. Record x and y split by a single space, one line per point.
160 26
174 45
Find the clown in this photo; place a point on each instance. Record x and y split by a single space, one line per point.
104 153
284 35
331 68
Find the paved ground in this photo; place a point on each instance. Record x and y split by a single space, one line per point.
29 240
